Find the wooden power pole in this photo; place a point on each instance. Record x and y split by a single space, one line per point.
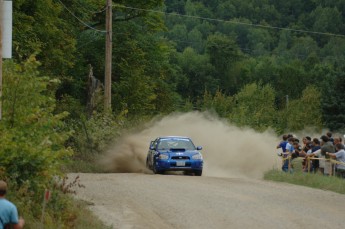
108 57
1 15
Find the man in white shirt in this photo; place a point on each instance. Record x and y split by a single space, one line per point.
340 156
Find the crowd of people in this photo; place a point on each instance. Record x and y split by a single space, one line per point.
325 155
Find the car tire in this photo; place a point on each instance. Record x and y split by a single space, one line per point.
155 171
147 164
197 172
186 173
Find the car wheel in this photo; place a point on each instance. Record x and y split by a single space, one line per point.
155 171
198 172
187 173
147 164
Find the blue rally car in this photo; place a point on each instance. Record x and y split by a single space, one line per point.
174 153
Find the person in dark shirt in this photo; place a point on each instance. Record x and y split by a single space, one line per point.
315 146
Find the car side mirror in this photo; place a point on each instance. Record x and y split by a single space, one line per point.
199 147
152 148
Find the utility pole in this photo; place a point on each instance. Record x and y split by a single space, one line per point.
1 15
108 57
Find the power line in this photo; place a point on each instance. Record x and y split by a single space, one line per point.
232 22
81 21
272 52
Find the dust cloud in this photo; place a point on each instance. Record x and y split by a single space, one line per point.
228 151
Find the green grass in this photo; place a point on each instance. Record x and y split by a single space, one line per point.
317 181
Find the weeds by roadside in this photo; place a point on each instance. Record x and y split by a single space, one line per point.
62 210
318 181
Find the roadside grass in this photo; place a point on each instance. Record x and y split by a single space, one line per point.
85 219
297 177
63 212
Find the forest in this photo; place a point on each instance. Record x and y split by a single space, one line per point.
178 55
263 64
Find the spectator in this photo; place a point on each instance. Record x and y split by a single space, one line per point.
289 150
340 156
329 135
337 140
326 146
306 146
283 143
289 145
315 147
8 211
297 149
305 165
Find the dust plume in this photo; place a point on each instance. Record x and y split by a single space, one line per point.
228 151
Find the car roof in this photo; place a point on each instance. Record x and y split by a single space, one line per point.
167 137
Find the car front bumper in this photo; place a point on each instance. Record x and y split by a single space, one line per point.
178 165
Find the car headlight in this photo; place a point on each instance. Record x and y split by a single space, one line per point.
163 156
197 156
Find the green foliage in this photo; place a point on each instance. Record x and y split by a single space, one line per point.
254 107
157 66
93 135
200 74
39 29
60 210
333 102
220 103
223 51
32 136
306 111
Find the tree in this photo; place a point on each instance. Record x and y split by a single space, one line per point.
260 42
220 103
305 111
326 20
334 53
40 30
32 136
199 73
196 41
302 47
223 52
333 102
254 107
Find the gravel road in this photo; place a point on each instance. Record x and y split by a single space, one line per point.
145 201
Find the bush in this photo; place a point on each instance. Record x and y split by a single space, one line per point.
32 138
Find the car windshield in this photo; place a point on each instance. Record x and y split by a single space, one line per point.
176 143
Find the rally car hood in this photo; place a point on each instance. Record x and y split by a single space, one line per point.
177 152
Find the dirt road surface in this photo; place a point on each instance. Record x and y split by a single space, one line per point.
145 201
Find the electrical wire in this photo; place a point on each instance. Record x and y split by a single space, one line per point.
273 52
232 22
81 21
204 18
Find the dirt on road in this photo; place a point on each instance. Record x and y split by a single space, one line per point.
146 201
230 194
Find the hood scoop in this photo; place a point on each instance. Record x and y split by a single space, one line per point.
177 150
